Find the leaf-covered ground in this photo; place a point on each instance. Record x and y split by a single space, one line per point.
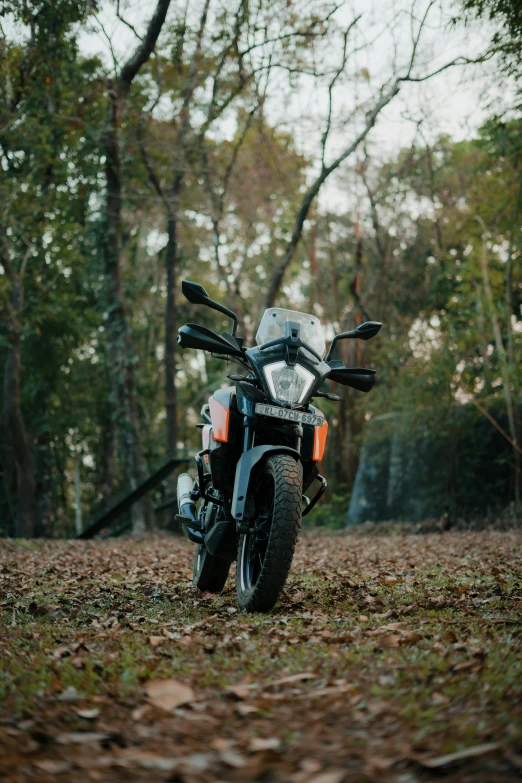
388 659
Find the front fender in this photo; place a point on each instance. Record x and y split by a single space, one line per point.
244 468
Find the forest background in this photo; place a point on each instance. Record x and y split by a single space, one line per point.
283 152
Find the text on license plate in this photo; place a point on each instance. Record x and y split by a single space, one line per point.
287 415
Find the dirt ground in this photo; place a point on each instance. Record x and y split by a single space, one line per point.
389 658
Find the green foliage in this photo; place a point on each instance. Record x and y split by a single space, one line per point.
330 514
507 13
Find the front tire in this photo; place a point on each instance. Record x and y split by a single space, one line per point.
210 573
265 554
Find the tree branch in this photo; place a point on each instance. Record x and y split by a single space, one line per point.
331 87
313 190
149 169
127 24
325 172
143 50
375 219
497 425
457 61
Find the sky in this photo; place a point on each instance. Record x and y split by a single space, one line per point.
455 102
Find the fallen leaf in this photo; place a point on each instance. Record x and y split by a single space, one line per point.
245 709
42 610
377 764
88 714
240 691
159 763
460 755
389 641
259 744
330 776
464 666
62 652
410 637
393 626
70 694
81 737
318 692
155 641
197 763
168 694
293 678
310 765
149 760
140 712
53 767
220 743
233 759
189 628
384 615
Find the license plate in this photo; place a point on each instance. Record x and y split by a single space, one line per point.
284 414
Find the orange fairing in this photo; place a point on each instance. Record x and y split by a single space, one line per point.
220 417
320 434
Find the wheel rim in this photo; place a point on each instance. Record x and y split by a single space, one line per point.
255 544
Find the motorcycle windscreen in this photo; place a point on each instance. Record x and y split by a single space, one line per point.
273 326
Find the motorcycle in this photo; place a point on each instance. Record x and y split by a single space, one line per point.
262 441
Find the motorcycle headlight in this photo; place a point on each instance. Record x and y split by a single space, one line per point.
288 384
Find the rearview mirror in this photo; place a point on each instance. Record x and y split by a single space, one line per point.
368 329
364 331
196 294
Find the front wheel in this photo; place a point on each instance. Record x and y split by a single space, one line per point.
265 553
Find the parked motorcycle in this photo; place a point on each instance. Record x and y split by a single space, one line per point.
262 441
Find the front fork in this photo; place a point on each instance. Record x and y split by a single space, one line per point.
248 441
248 437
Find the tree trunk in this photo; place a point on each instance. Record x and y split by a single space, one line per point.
504 367
171 259
45 506
118 340
517 429
106 472
78 521
20 444
118 337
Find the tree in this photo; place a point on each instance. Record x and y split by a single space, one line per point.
119 346
37 143
411 72
227 65
460 331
